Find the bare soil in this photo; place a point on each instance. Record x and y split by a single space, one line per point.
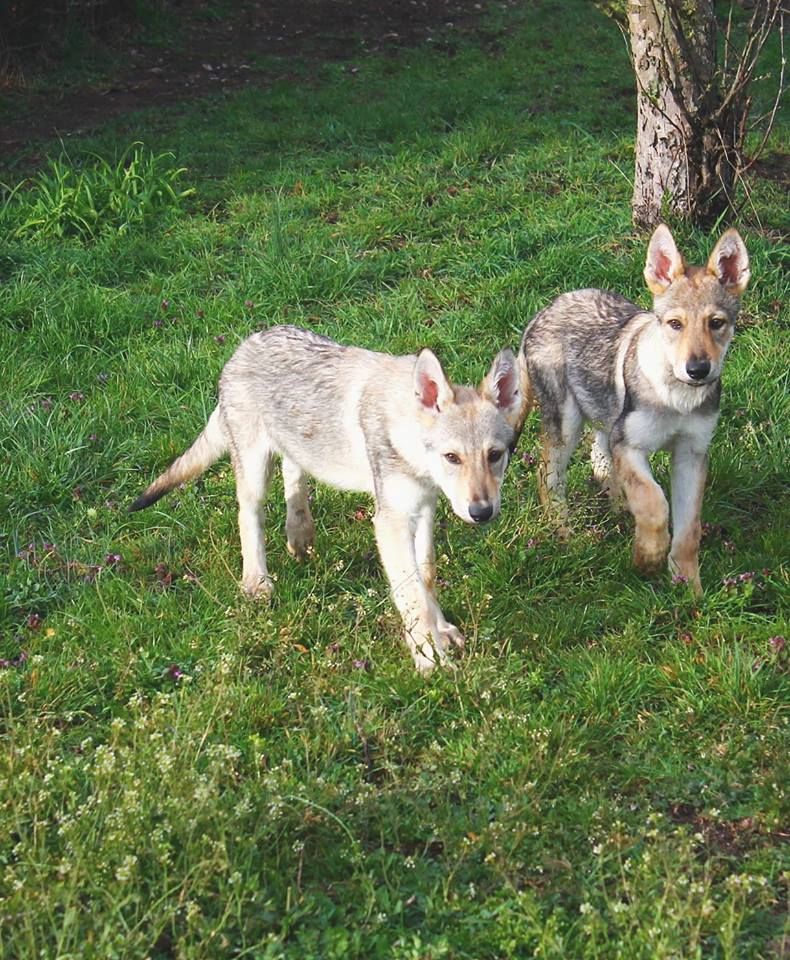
224 53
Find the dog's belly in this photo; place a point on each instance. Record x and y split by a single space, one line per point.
332 452
341 476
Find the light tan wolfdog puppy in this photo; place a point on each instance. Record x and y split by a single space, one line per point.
393 427
647 382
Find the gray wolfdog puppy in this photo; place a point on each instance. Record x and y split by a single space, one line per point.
393 427
647 381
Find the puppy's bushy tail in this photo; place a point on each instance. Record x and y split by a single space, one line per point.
207 449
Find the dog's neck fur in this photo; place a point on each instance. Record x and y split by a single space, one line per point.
654 366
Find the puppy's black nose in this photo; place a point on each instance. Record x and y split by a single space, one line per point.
698 369
480 511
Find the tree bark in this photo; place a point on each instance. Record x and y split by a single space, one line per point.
686 152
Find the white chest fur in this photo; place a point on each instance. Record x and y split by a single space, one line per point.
652 429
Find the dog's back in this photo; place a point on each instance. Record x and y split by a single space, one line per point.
308 394
573 345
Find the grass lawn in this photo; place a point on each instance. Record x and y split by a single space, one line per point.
186 774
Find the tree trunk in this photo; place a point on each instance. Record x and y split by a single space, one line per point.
685 149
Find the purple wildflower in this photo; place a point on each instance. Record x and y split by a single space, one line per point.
17 661
777 644
28 553
163 575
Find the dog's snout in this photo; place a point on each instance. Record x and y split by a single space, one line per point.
698 369
480 511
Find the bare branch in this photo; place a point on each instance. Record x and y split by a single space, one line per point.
744 168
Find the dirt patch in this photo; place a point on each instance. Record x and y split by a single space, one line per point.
227 53
728 837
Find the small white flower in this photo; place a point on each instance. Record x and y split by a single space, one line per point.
126 868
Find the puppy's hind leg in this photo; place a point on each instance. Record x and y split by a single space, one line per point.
253 468
601 459
603 470
562 429
299 527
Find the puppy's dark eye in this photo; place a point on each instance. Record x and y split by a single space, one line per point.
716 323
675 324
494 456
452 458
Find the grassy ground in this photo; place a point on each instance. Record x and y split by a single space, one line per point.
185 774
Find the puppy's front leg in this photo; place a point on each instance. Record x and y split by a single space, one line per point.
395 536
647 503
426 561
689 470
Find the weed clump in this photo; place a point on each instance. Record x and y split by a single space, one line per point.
69 199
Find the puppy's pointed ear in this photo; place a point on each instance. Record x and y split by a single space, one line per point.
664 262
431 387
729 263
503 386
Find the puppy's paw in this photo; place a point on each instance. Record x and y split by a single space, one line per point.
649 560
426 652
451 636
300 534
563 532
686 571
300 550
258 588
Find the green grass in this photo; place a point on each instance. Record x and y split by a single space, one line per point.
184 774
79 201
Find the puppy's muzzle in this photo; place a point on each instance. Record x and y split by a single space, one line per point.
698 369
480 511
